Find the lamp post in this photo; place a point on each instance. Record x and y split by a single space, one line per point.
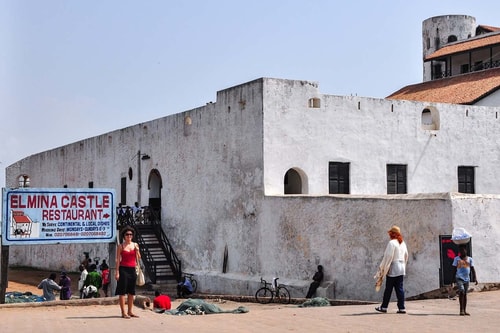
139 182
139 174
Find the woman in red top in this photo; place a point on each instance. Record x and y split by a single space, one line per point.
127 255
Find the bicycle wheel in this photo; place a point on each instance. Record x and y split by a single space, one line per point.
194 283
283 295
264 295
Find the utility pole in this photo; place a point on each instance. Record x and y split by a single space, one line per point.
139 175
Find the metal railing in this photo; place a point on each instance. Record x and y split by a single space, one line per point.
151 218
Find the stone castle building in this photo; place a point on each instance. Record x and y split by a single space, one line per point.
286 177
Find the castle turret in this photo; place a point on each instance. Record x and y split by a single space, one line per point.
438 31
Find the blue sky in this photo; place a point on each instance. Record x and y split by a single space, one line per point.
75 69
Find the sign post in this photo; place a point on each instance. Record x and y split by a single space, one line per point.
57 216
54 216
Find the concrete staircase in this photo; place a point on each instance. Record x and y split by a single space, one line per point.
161 264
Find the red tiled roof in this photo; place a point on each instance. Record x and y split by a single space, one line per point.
460 89
489 28
466 45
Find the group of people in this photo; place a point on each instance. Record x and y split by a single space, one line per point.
130 215
393 269
93 279
89 283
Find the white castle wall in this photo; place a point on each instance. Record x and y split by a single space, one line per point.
371 133
348 236
222 167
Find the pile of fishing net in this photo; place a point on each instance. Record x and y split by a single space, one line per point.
200 307
19 297
316 301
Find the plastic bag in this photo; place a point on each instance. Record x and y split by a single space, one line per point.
460 236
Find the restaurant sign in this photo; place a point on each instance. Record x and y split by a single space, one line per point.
58 215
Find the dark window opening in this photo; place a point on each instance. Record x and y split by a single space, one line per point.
466 179
452 38
91 184
338 178
438 71
292 182
396 179
123 190
314 102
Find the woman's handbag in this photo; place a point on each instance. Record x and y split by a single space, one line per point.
140 281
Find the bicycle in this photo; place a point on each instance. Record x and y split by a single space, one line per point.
266 294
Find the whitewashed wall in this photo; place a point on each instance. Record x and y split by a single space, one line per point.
216 161
293 234
371 133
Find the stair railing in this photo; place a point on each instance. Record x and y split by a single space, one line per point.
146 256
173 260
153 219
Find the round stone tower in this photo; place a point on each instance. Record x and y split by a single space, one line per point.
438 31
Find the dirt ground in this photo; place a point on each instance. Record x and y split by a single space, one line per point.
431 315
23 280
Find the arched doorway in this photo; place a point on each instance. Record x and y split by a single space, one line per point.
154 187
295 182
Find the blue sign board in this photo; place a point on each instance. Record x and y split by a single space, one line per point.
58 215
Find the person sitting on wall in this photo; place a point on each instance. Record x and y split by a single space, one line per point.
317 278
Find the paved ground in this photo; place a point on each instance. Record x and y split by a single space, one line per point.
436 315
432 315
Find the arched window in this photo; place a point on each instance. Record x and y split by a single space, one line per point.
24 181
452 38
430 119
295 182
